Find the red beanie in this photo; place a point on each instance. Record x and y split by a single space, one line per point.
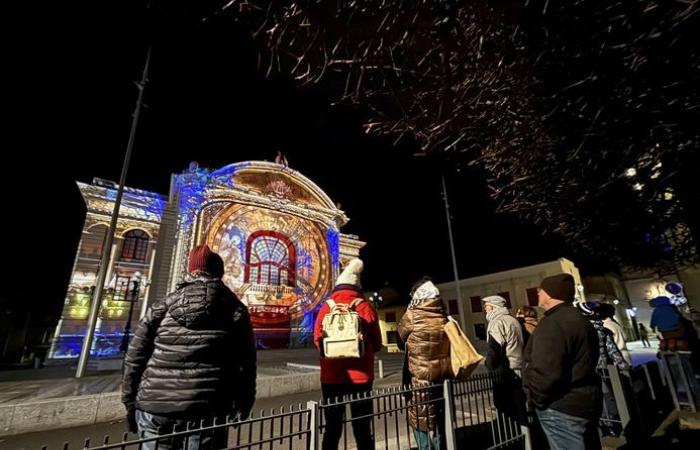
202 259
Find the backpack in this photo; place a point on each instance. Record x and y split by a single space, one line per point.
342 336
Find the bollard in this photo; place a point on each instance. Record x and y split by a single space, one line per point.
381 368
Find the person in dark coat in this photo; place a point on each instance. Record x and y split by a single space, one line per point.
192 358
560 379
428 355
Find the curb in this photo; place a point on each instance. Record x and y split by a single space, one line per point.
67 412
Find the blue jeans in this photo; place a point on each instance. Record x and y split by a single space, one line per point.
152 426
425 442
565 432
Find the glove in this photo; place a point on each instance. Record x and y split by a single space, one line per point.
131 424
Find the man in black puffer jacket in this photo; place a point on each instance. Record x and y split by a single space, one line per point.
192 357
560 378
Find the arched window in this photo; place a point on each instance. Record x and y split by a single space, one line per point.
92 242
135 246
270 259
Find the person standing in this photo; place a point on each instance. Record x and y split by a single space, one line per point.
527 316
560 379
428 353
192 358
607 314
504 358
349 377
644 335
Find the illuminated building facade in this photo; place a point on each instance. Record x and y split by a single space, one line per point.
277 232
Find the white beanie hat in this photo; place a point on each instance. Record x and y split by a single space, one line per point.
351 273
426 291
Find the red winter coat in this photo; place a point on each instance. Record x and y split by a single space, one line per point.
351 371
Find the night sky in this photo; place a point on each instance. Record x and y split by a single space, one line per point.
68 117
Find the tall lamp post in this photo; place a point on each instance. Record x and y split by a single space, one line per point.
460 306
132 297
107 253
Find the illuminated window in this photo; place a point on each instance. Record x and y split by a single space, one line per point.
453 308
532 296
392 337
135 246
92 242
476 303
270 259
506 295
480 331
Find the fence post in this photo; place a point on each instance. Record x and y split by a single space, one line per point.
313 425
619 394
670 382
450 439
645 368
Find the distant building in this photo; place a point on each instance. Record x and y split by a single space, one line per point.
517 286
390 309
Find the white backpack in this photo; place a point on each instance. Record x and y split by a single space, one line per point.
342 336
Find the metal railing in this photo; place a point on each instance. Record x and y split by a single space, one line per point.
450 415
682 383
290 429
483 412
488 410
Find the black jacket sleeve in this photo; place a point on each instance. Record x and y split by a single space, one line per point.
139 352
545 364
247 362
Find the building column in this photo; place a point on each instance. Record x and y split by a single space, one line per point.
149 274
110 275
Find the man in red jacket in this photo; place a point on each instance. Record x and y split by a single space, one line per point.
351 376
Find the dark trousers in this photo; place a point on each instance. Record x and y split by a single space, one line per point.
151 426
335 415
645 341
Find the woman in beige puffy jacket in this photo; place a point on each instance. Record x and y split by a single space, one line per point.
428 353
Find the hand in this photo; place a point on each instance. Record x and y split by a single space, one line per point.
131 424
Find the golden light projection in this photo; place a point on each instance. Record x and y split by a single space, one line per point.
277 263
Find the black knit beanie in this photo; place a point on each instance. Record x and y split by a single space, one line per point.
559 287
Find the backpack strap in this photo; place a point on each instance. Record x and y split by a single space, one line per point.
331 304
356 302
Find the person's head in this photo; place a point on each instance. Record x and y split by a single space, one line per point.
423 290
591 310
205 262
418 283
493 302
642 327
661 300
351 274
606 310
556 290
526 311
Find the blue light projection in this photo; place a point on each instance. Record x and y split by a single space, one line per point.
147 205
105 345
192 187
333 238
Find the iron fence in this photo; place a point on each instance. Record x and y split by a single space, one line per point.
484 412
287 429
682 381
432 416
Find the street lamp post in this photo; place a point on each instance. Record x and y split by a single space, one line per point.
133 297
107 253
460 306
